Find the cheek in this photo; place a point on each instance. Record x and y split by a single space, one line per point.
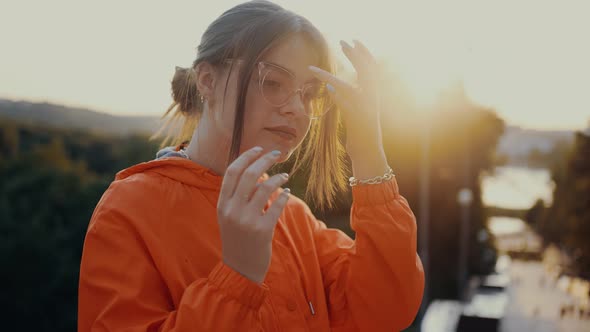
256 113
303 125
256 107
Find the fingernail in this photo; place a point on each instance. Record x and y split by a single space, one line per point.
286 191
330 87
314 68
276 153
286 175
345 44
257 149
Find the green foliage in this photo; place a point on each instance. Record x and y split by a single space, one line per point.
50 182
567 221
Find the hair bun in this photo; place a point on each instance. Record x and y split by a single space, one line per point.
184 90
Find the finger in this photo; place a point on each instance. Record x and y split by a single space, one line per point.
327 77
264 191
364 63
234 171
249 197
364 51
274 211
249 178
355 57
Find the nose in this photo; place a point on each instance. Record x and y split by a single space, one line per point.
295 105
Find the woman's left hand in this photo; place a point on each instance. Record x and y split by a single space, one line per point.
360 105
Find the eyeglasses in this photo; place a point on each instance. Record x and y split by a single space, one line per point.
277 87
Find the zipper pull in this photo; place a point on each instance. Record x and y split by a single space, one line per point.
311 308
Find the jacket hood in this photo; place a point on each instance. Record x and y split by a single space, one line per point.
172 164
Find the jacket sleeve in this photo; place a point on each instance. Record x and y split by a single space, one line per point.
376 282
121 289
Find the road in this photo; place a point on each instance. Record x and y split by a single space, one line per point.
535 303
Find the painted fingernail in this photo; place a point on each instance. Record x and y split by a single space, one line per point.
286 191
275 153
330 87
257 149
285 175
345 44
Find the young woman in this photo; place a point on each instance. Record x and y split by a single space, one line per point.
203 239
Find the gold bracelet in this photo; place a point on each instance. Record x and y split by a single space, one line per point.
378 179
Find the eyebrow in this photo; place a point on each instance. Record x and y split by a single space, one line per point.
312 80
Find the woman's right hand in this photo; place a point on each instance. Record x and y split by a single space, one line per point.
246 231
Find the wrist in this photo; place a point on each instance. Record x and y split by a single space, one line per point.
369 164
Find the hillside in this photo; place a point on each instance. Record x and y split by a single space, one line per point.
518 143
58 116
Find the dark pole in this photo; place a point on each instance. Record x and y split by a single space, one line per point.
464 198
424 208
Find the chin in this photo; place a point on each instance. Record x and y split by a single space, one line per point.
286 150
285 154
284 158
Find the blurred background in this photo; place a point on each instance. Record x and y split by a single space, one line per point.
486 125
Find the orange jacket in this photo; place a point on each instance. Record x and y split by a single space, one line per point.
152 261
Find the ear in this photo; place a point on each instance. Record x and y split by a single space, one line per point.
206 79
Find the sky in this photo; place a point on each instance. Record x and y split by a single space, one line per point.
529 60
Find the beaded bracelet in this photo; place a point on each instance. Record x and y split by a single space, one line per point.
378 179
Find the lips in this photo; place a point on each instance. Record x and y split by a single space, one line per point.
284 131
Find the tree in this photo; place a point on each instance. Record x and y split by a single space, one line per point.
48 192
567 221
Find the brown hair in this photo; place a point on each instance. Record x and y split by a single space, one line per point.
247 31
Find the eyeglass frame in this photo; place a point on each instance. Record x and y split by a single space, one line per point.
292 93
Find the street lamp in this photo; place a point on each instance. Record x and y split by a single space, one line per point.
464 198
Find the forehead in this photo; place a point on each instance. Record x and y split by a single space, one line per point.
296 54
